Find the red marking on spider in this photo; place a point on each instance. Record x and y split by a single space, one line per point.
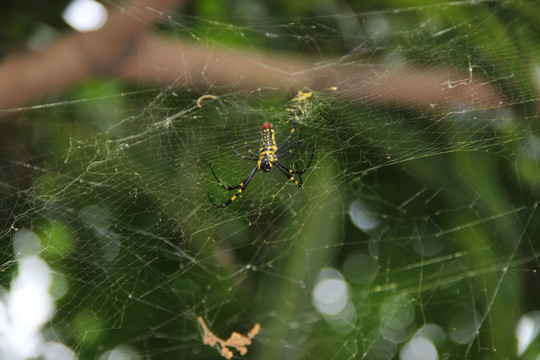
266 125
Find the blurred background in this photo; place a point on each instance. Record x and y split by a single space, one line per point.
415 235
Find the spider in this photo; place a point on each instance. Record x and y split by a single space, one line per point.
269 152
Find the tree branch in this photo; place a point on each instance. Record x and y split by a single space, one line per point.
124 48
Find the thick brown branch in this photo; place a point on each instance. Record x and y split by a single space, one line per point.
31 76
124 48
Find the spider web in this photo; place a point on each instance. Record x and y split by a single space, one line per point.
415 233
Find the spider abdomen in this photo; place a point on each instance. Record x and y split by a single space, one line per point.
267 152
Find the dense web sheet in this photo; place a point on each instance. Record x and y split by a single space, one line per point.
416 231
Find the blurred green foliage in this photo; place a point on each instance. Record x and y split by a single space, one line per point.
117 193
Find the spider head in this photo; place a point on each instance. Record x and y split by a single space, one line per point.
266 165
266 126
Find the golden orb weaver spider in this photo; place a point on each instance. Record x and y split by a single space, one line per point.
269 152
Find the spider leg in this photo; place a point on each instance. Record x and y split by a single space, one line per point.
219 182
288 173
297 171
297 117
297 112
240 188
236 151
